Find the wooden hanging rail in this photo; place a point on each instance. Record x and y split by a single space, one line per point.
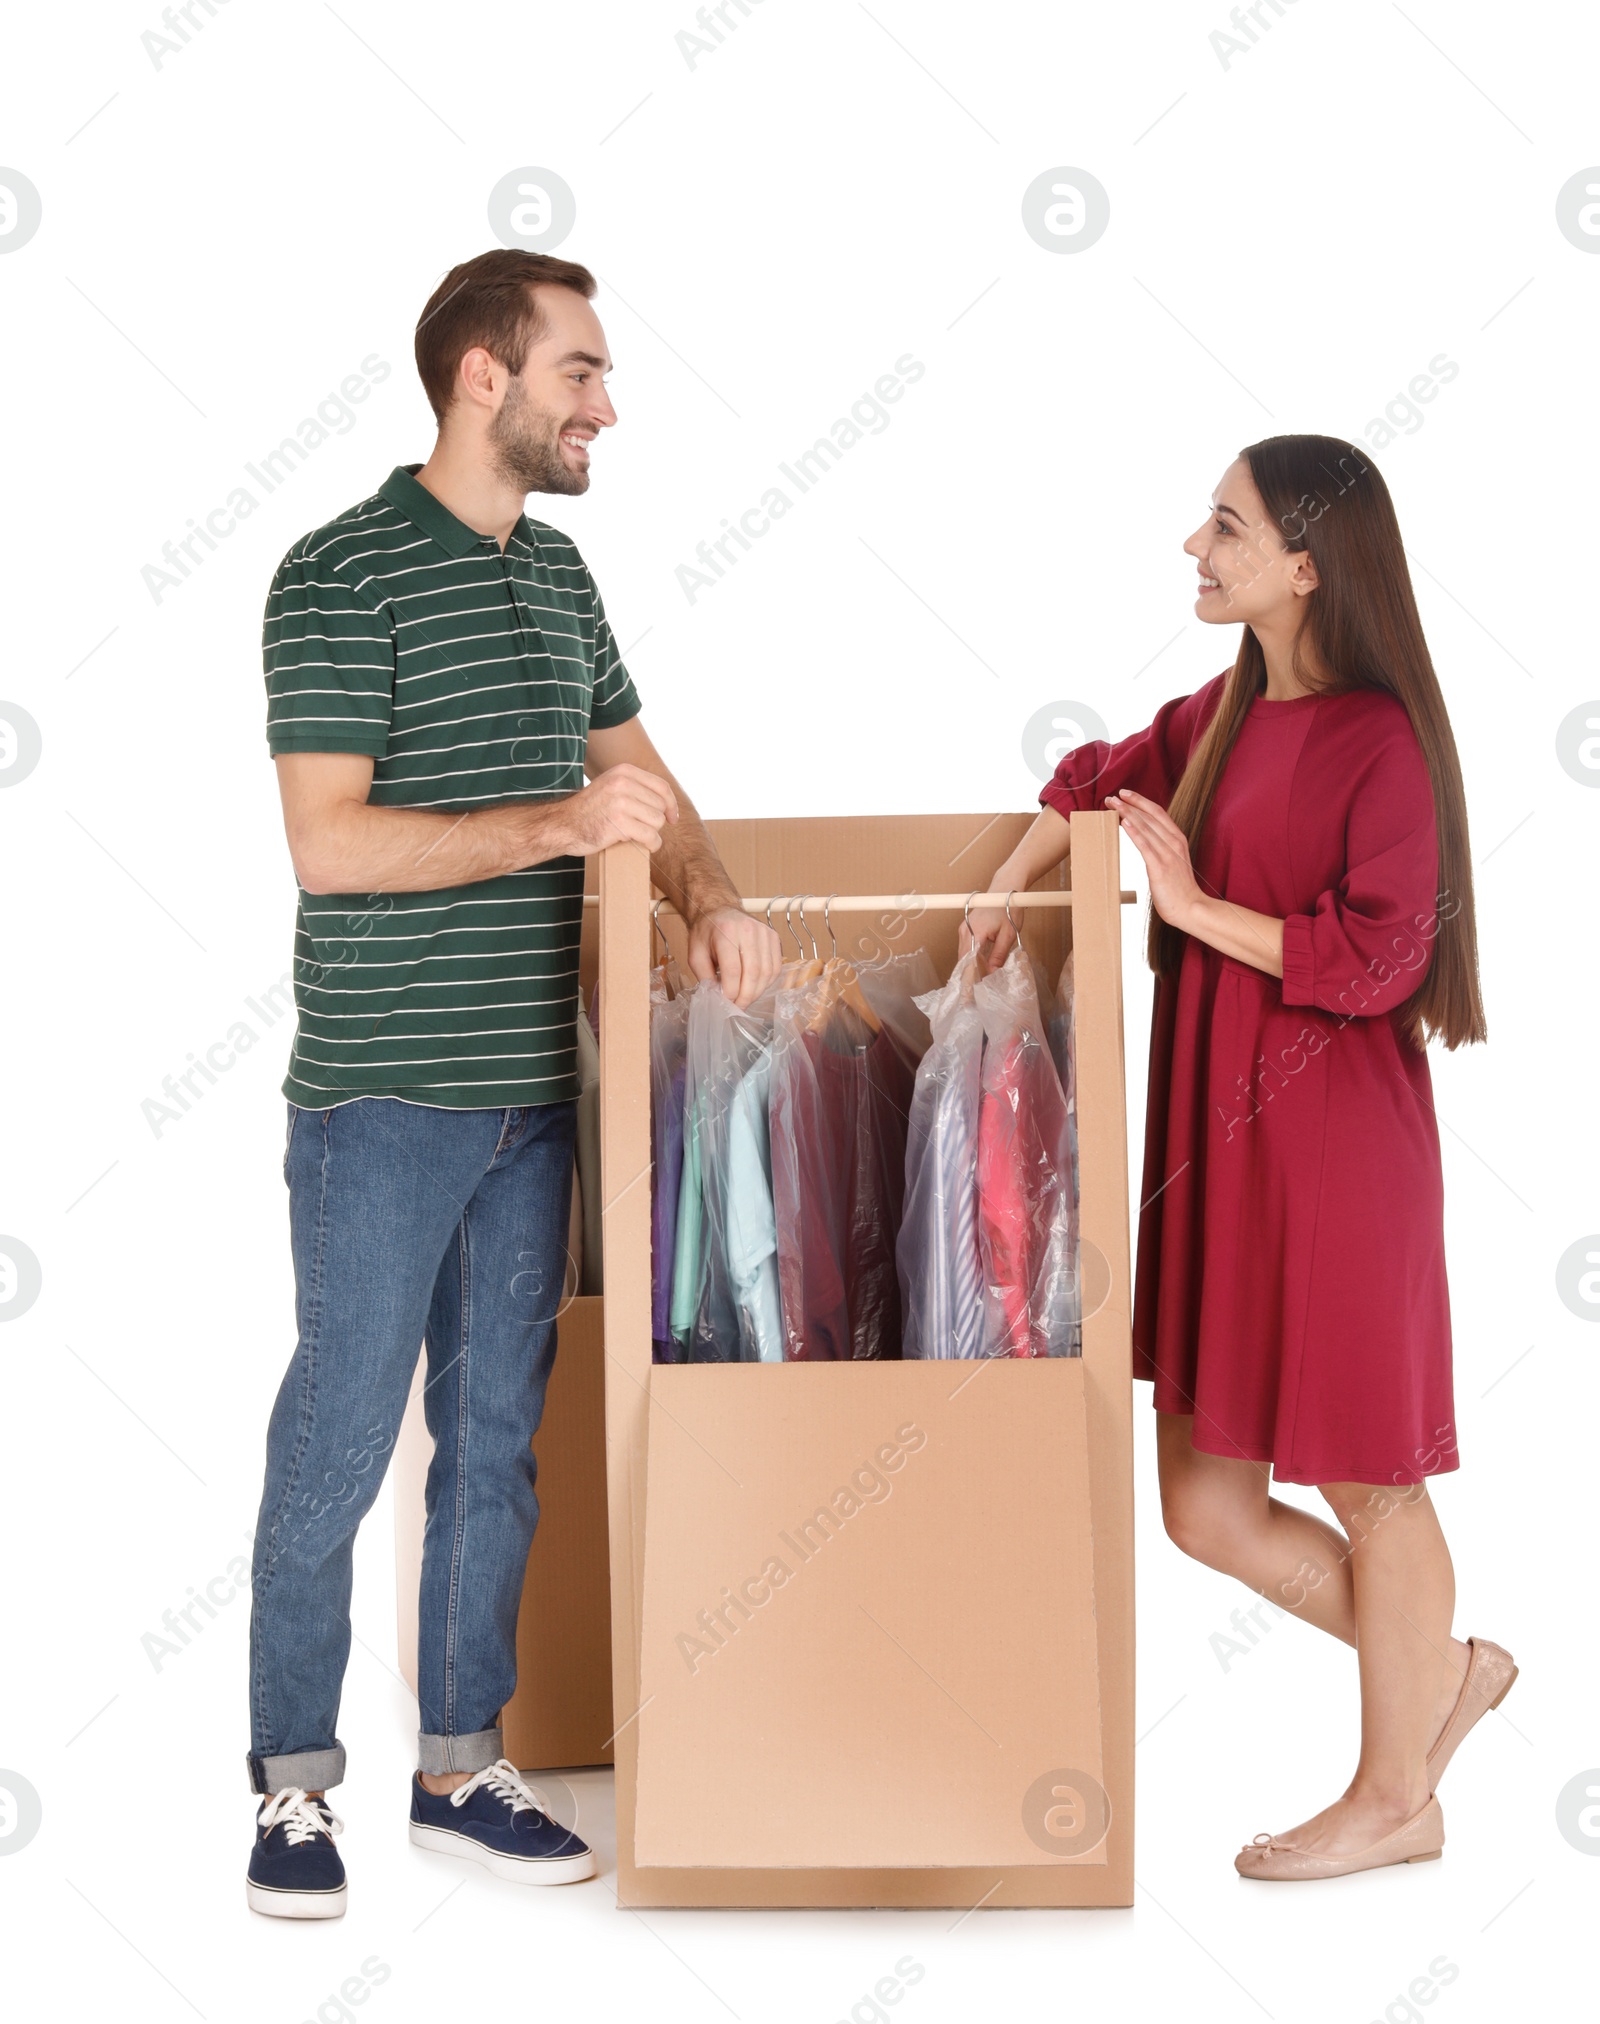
891 903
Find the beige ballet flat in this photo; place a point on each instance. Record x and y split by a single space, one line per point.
1419 1839
1490 1673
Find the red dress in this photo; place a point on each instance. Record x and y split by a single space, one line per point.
1290 1290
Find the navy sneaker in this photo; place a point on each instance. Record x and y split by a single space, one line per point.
496 1819
295 1871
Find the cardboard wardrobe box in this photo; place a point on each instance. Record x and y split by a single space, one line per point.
872 1623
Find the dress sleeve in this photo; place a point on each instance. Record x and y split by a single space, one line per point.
1151 761
1364 947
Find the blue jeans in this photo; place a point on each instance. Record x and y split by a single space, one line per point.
409 1225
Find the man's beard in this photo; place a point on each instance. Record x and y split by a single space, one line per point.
525 443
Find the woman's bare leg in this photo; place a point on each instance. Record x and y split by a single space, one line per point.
1220 1512
1404 1590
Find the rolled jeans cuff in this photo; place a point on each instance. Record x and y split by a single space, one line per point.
438 1754
311 1770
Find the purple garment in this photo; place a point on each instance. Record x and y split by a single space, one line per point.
668 1170
838 1125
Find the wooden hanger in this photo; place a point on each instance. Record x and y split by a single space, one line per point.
841 986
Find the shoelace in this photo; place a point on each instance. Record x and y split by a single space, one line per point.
506 1782
301 1818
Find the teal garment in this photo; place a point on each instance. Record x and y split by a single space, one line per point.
688 1244
752 1232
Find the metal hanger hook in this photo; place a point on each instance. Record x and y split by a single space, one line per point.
827 921
801 909
655 922
1011 917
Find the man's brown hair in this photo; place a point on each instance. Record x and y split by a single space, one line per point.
488 301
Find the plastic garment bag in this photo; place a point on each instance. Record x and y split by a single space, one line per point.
733 1315
688 1243
1064 1053
750 1230
669 1035
1025 1209
896 989
842 1080
939 1254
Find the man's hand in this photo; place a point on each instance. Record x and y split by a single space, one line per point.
625 804
725 942
736 948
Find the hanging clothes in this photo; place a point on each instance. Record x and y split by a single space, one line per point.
938 1254
751 1228
669 1035
1024 1173
688 1246
724 1315
841 1088
1064 1053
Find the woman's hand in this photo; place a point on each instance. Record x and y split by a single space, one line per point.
1174 890
986 929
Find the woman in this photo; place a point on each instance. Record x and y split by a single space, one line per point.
1302 821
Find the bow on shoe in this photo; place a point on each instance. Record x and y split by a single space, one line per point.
301 1818
506 1782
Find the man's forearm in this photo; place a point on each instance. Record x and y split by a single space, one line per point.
362 849
687 867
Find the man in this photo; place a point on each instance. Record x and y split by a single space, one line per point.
440 677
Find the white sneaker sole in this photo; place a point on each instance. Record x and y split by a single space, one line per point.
296 1904
518 1869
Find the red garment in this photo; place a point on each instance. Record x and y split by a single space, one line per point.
1291 1289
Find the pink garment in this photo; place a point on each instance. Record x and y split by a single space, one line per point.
1003 1209
1025 1225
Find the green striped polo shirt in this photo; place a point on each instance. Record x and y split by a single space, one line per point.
470 677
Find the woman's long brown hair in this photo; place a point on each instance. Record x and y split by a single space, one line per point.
1326 498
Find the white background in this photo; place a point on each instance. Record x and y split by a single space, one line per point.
1293 236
